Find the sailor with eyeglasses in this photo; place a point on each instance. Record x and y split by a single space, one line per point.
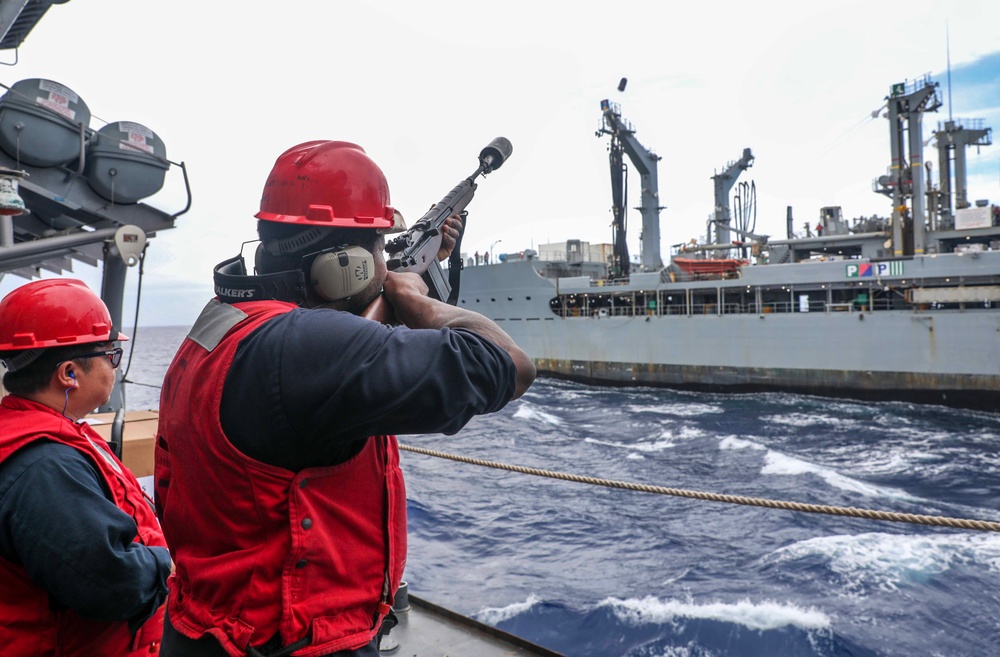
83 562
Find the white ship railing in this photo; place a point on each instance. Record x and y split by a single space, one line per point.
752 308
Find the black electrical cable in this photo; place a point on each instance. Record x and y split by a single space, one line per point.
135 322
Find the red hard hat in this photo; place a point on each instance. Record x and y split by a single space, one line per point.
327 183
54 312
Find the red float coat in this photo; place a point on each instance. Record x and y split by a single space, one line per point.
261 550
32 627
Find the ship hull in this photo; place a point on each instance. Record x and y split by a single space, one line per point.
950 390
947 357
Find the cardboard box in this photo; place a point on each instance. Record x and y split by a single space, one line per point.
139 438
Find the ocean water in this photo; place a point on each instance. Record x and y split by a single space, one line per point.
597 572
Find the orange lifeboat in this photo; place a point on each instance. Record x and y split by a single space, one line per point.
708 265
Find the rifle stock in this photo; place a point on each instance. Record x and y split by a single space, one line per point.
380 311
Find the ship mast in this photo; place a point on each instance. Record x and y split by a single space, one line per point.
723 183
623 142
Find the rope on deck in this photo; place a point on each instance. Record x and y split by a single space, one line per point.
917 519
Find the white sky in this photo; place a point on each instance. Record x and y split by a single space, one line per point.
423 86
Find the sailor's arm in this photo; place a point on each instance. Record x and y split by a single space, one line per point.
81 549
407 293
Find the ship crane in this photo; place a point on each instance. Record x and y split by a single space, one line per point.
905 182
623 142
723 183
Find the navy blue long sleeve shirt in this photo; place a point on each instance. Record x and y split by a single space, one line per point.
306 388
58 522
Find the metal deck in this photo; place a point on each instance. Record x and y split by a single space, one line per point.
427 630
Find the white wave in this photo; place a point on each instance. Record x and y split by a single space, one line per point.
679 410
888 561
571 395
685 433
755 616
648 447
690 650
667 439
815 419
679 576
915 459
732 442
892 460
886 458
912 434
781 464
496 615
528 412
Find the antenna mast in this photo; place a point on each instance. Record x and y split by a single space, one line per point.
947 45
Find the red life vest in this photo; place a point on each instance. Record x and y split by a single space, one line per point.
260 550
31 627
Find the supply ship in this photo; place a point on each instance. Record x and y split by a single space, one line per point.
905 307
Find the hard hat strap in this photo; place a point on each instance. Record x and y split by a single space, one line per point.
296 242
21 359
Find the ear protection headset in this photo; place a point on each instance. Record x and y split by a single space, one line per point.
333 274
342 272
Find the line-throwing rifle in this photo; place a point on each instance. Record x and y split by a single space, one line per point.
416 250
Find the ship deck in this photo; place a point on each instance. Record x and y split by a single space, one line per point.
427 630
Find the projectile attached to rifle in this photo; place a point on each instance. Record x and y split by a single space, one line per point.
416 250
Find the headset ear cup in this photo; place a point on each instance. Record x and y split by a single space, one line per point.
340 273
257 255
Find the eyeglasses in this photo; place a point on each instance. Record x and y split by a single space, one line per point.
115 355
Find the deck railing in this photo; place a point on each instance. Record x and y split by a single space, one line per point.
751 308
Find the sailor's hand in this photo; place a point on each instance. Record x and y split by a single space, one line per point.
399 285
449 236
408 294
